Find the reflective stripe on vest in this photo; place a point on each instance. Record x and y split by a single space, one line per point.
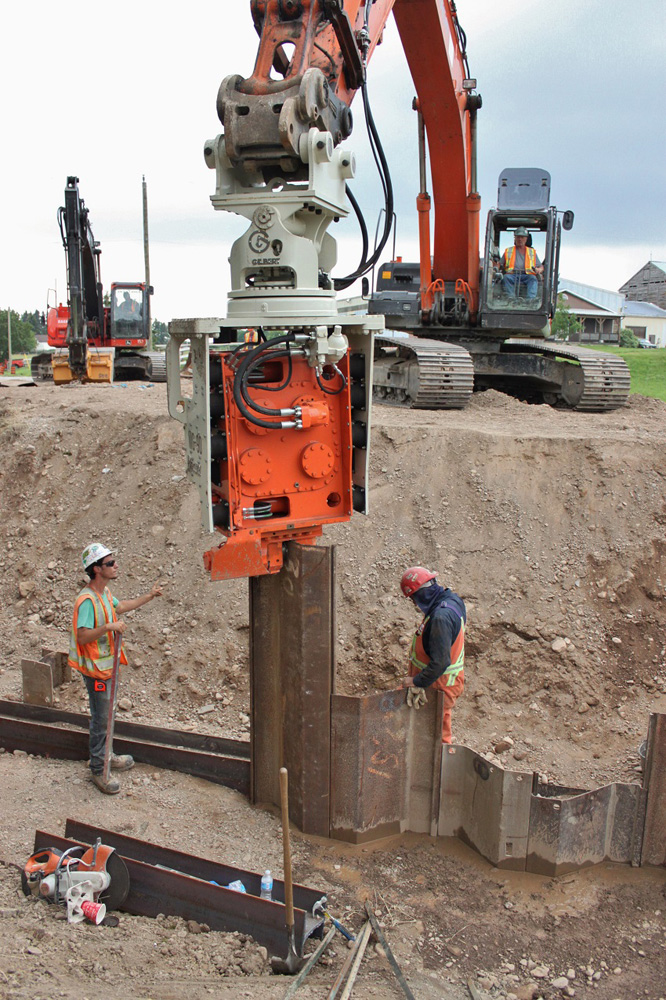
419 659
94 659
530 259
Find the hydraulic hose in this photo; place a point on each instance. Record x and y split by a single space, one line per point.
252 403
387 187
238 382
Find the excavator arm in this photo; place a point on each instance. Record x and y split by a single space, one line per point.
84 288
78 329
312 60
448 106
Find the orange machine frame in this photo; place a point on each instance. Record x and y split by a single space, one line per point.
276 485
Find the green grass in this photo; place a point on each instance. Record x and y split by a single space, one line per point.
647 368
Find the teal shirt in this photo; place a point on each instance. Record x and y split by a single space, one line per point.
86 615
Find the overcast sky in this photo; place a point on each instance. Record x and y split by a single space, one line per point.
112 92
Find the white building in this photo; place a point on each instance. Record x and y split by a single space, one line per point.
646 321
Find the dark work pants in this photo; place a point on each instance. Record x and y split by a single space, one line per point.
99 717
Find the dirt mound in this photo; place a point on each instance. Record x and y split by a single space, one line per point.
551 524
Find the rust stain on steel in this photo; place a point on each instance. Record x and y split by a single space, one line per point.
155 890
654 835
369 770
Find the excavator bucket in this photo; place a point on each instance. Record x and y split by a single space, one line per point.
99 366
62 373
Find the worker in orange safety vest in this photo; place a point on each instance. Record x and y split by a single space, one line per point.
437 655
91 651
520 266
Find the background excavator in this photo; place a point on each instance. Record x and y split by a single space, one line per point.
468 329
277 431
94 342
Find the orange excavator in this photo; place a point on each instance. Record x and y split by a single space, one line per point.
277 431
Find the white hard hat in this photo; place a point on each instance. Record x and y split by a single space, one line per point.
93 553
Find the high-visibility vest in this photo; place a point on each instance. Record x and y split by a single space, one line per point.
419 659
94 659
530 259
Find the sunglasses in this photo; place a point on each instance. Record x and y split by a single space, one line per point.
109 564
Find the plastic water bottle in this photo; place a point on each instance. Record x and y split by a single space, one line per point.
237 886
267 885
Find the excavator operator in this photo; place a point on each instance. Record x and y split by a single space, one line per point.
437 655
520 267
129 309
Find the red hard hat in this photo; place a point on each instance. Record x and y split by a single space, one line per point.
414 578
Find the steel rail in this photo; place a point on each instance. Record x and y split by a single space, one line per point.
48 740
132 730
158 888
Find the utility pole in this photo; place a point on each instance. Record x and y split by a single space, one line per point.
146 259
9 341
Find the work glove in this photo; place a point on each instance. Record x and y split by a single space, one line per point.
416 697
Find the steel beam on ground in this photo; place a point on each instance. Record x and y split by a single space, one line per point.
48 740
189 864
292 650
132 730
654 834
43 740
157 888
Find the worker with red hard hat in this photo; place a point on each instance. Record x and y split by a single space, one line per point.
437 656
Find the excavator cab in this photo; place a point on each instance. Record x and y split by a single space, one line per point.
128 319
520 265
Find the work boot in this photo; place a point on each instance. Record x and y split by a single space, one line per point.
122 762
110 787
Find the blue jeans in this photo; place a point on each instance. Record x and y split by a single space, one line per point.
99 717
514 282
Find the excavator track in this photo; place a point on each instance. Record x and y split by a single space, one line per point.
597 383
158 366
146 365
421 374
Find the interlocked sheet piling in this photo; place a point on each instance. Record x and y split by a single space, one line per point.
566 834
486 806
383 765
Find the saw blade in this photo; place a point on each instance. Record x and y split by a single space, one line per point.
117 891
